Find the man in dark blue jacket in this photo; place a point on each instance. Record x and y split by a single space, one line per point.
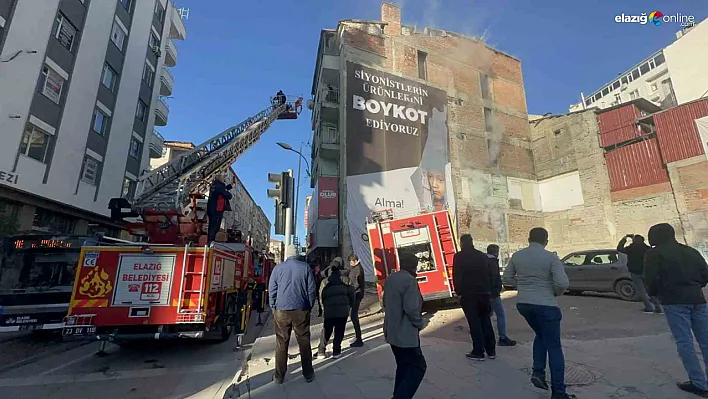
218 203
292 294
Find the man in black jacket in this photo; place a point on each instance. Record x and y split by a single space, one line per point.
635 263
473 280
217 204
356 279
677 274
497 303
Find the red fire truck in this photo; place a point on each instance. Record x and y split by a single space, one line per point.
430 236
175 285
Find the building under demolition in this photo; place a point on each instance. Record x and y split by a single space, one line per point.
412 120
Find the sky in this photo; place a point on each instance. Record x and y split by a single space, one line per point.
239 53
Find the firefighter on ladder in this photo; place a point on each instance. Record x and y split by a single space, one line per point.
218 203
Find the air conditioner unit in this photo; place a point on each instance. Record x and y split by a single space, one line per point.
623 87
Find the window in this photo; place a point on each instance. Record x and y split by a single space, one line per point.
148 75
488 119
603 258
624 80
64 31
109 78
100 121
422 67
35 143
575 260
118 35
616 85
588 101
598 96
484 82
141 111
634 95
127 4
128 189
134 150
154 42
160 12
605 91
618 98
630 77
651 64
635 74
659 59
51 84
90 173
644 68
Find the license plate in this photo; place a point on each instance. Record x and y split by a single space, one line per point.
31 327
79 331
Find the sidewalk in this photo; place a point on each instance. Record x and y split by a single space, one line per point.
628 368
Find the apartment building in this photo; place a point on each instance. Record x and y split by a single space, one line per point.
246 216
87 79
414 119
277 249
671 76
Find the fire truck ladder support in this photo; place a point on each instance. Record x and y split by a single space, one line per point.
169 186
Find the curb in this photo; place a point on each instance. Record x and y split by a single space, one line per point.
234 390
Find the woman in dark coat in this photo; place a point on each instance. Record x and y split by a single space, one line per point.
337 297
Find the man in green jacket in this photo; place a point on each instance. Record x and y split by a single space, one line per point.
337 297
677 274
402 324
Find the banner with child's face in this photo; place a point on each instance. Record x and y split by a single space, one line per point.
397 150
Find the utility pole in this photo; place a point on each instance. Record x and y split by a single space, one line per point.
297 191
289 212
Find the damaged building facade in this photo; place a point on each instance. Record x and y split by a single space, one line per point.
382 94
363 67
636 165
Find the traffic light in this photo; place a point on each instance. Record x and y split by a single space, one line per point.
283 191
283 195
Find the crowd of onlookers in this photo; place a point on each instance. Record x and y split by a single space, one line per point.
669 277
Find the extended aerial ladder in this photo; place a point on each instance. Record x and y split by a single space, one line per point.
169 200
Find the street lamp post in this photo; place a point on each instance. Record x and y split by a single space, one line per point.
288 147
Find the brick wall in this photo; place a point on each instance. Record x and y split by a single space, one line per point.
563 144
454 64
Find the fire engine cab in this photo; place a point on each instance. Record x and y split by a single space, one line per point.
427 235
176 284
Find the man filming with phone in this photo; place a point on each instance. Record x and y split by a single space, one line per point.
635 263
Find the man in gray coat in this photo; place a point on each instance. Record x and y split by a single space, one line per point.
539 277
402 324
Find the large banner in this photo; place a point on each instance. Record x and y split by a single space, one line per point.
397 150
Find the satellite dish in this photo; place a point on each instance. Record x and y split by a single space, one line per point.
310 105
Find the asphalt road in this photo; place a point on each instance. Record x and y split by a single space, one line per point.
195 369
154 370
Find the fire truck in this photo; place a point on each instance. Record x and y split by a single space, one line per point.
176 284
430 236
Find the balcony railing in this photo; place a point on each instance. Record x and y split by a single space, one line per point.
167 82
157 144
162 112
330 95
171 54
